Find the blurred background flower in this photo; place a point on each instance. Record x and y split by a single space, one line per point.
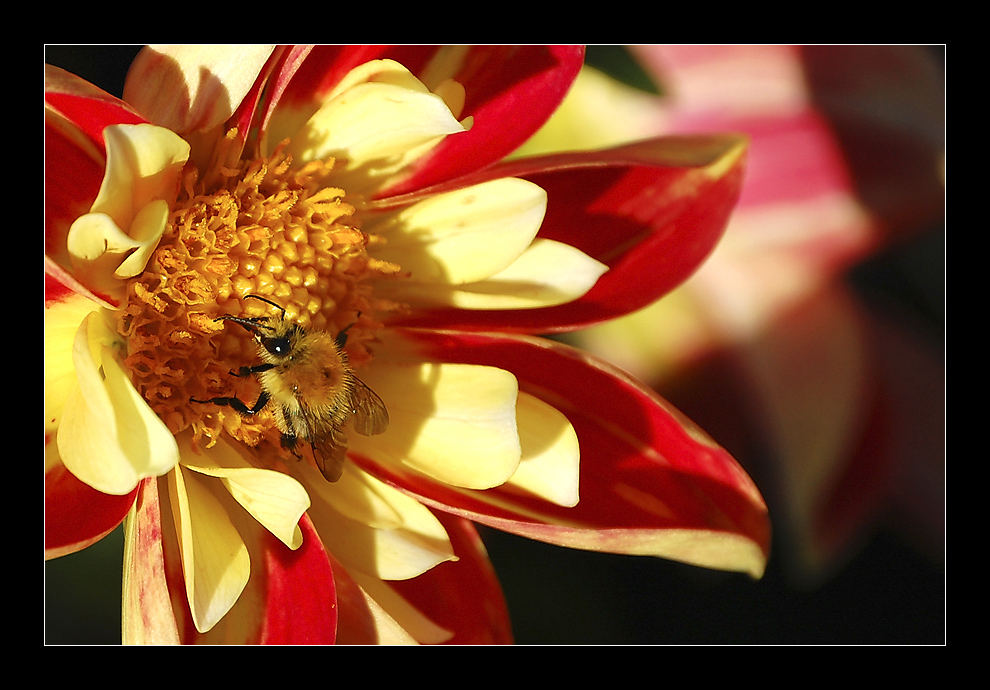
810 345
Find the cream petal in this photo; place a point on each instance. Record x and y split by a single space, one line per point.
462 236
408 549
387 554
371 128
550 465
193 87
453 422
109 437
62 321
215 561
274 499
378 72
360 497
547 274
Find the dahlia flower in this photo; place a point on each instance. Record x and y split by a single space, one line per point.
362 191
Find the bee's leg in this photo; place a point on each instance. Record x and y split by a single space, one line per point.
237 404
256 369
289 443
341 338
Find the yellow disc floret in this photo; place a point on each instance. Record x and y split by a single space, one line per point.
244 228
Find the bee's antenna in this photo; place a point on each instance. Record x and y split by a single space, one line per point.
267 301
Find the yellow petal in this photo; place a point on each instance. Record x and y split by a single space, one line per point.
453 422
62 321
362 498
274 499
375 123
550 465
410 546
548 273
215 561
109 437
462 236
193 87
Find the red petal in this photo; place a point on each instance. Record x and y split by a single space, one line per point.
652 211
72 180
356 622
89 108
76 515
463 596
510 92
645 468
301 601
60 285
149 617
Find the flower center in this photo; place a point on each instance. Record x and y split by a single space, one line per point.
247 227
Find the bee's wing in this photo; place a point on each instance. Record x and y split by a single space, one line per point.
329 449
370 415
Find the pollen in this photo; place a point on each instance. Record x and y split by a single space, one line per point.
256 226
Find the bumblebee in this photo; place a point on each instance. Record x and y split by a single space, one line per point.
313 392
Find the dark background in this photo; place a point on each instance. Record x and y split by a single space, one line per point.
891 590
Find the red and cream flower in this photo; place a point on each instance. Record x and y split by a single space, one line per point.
365 188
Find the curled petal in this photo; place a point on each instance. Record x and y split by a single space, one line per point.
116 238
108 436
96 235
143 165
189 88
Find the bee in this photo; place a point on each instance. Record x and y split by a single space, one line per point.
305 376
